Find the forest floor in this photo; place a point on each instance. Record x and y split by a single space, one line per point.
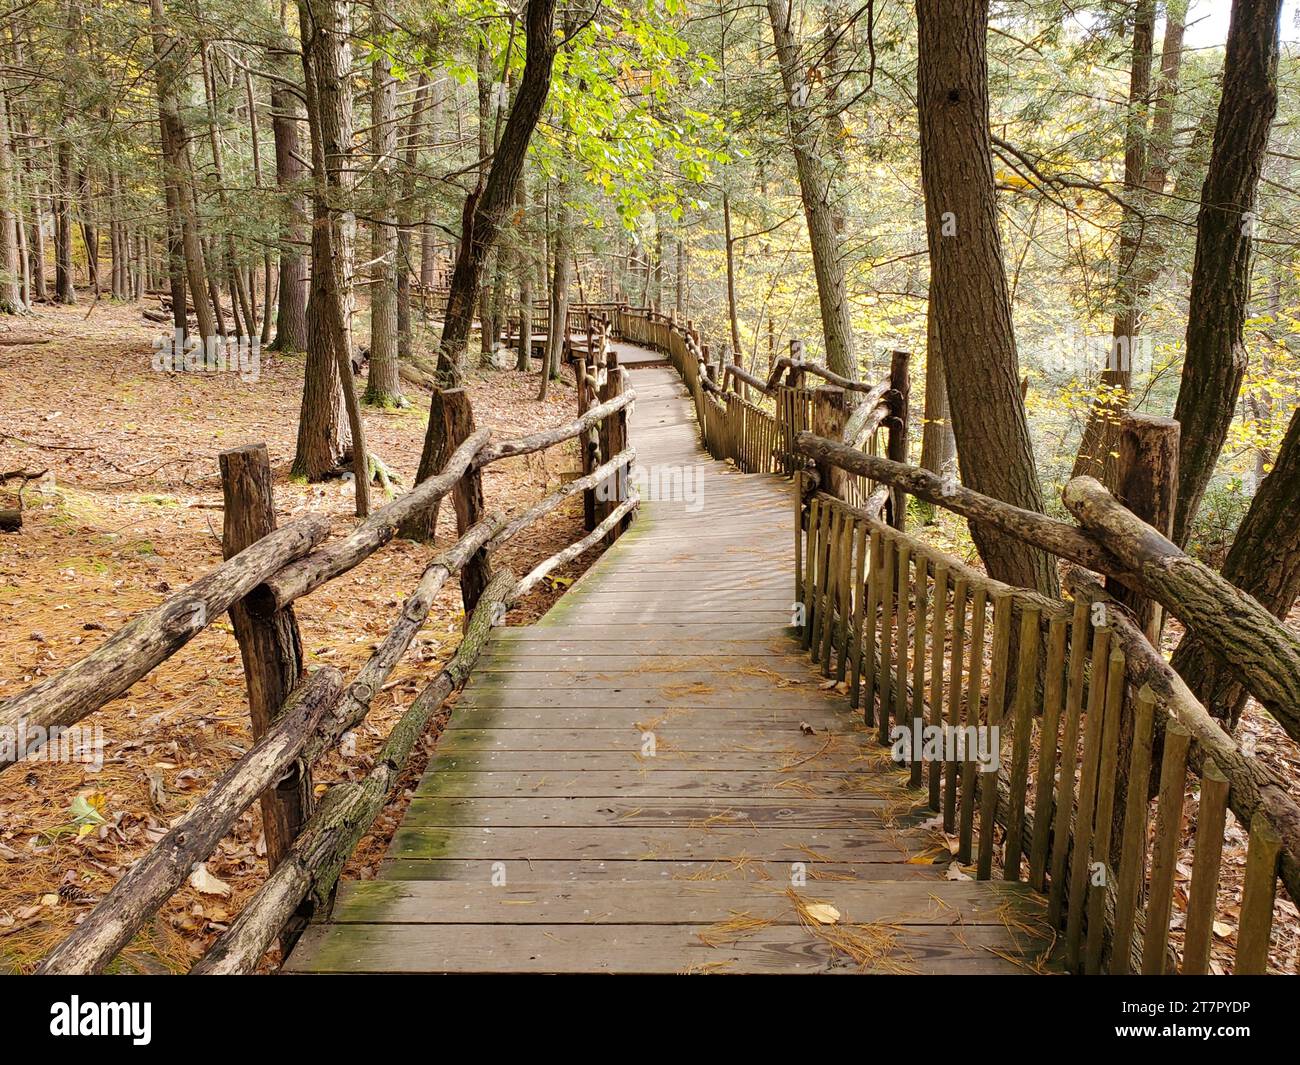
129 508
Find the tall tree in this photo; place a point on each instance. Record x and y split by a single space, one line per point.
325 27
968 285
286 120
383 386
485 207
816 190
1116 380
178 181
1215 361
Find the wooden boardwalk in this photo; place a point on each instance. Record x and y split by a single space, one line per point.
652 778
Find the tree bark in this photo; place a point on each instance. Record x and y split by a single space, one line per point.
1215 362
177 172
325 26
968 285
406 213
11 295
384 385
291 305
1264 562
484 209
816 190
1115 383
938 448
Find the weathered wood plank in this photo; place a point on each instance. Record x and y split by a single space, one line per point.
631 949
676 902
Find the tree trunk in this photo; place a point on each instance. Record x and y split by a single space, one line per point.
559 297
291 306
11 296
526 266
384 385
484 209
65 290
325 28
1264 561
938 448
177 174
1215 362
406 214
816 191
1096 450
968 287
733 316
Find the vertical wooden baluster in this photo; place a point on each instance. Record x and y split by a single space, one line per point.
974 690
915 721
1045 778
1206 858
825 526
885 669
1080 628
1002 607
938 636
1081 837
846 598
810 567
833 591
1106 773
798 540
952 700
870 643
1256 921
1164 854
834 582
1022 732
860 560
826 582
1132 858
902 614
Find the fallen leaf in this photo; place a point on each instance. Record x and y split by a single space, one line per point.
205 883
822 912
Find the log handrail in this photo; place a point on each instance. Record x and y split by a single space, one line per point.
267 577
151 637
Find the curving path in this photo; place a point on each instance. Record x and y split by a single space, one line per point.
652 779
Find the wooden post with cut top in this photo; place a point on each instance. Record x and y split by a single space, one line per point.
467 496
900 389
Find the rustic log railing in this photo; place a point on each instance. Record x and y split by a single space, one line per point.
1009 707
753 422
1091 737
298 717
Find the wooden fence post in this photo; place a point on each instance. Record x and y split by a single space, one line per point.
896 446
613 439
467 496
830 412
587 443
271 647
1146 481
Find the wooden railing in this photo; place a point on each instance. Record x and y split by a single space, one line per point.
298 716
754 421
1091 740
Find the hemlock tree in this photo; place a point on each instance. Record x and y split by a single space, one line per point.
968 287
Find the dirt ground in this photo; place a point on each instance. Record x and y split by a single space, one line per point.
127 510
